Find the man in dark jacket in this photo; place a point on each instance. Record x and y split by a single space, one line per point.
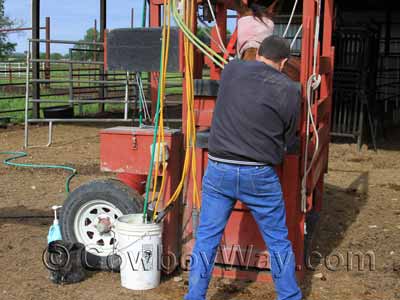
254 122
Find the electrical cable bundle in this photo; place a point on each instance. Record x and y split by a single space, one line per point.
205 49
159 138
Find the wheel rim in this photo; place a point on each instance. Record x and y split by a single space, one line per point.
86 226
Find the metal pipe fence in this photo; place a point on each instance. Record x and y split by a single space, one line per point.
15 70
76 83
71 79
388 85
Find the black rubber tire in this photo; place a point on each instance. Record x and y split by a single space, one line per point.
127 200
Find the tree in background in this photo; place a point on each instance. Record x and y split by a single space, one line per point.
203 33
54 55
6 48
86 52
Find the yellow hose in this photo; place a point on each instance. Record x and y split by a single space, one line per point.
161 137
209 52
162 88
190 83
190 163
190 123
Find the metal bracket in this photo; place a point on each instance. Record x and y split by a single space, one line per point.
134 142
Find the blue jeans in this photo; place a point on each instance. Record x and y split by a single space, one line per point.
259 189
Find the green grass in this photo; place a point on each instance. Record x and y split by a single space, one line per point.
60 73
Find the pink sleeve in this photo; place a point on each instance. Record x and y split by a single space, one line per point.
252 31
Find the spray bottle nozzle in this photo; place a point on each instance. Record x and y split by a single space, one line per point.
54 230
54 208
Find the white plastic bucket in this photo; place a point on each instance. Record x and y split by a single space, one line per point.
140 247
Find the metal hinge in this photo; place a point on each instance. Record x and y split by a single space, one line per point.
134 142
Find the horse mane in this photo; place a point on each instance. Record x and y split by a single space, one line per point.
260 9
291 68
257 8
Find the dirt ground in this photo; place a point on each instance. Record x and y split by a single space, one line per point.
361 213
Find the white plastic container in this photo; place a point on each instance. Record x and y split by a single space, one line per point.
140 248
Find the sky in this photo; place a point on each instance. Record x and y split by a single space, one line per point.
70 18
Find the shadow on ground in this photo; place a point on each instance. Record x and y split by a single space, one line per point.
341 208
21 214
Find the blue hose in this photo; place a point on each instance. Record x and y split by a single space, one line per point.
18 155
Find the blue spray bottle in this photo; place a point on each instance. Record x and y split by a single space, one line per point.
54 230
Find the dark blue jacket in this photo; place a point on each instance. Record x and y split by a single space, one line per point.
256 114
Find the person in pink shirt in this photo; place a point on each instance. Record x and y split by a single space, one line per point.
254 25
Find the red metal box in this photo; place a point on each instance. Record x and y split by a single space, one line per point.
128 149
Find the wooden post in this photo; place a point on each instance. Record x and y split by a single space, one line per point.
48 56
10 78
36 55
221 16
155 21
95 40
103 26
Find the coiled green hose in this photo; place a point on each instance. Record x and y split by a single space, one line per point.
18 155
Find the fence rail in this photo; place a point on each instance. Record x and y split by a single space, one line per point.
75 83
16 70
